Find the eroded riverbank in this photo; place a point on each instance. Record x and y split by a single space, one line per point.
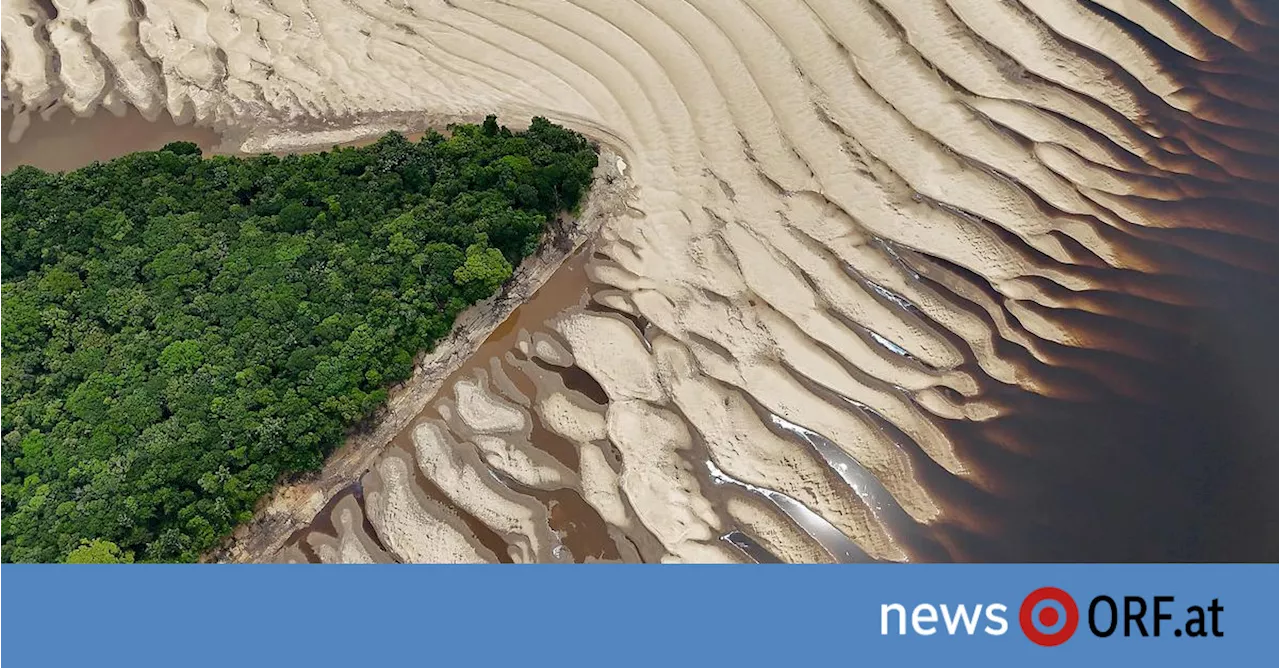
65 142
293 506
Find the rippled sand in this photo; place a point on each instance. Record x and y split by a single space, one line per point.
880 255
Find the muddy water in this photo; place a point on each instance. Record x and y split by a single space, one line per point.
582 531
1188 474
65 142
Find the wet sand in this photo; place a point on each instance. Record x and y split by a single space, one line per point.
583 533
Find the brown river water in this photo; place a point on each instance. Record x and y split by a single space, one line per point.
66 142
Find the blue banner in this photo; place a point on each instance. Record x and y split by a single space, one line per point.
1042 615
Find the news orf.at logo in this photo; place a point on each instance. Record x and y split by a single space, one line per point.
1048 616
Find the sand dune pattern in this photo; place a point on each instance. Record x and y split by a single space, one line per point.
858 235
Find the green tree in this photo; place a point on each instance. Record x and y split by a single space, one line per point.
483 271
99 552
182 148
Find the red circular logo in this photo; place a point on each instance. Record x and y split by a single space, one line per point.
1042 626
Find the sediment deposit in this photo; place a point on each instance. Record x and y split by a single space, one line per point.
863 241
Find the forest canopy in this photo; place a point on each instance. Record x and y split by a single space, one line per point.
180 332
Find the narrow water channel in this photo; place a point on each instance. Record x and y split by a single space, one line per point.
66 141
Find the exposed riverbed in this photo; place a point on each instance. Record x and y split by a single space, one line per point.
1014 262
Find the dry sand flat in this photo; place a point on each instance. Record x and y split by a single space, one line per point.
892 224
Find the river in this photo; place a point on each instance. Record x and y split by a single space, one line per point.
66 141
